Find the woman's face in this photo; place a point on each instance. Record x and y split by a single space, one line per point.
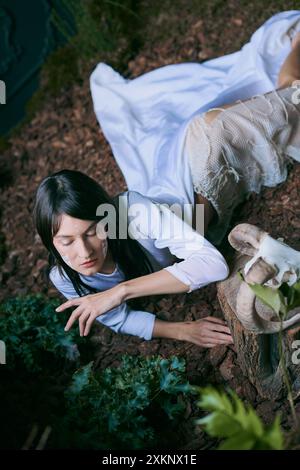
78 241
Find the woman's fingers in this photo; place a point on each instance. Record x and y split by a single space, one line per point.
217 339
76 314
220 338
88 325
69 303
210 332
82 322
216 325
215 320
207 342
218 328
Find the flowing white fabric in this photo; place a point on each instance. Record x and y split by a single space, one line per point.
144 119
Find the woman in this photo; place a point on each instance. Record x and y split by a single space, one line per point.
99 269
218 179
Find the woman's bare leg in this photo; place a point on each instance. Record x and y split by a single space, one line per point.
290 69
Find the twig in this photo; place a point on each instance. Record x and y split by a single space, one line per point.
32 435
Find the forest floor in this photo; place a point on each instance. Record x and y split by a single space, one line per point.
64 133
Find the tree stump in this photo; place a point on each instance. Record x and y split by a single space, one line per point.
258 354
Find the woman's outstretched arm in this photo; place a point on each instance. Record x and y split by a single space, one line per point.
161 228
207 332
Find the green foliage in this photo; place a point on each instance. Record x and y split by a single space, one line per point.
90 31
34 334
281 299
114 408
97 23
60 70
238 425
95 27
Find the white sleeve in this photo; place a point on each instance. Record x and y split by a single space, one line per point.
202 262
121 319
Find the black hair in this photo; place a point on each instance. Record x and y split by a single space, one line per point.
76 194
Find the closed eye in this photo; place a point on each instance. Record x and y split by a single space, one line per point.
66 244
91 234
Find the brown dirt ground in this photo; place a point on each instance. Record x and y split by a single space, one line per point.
65 134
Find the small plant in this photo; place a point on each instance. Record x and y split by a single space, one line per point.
34 334
114 408
238 426
281 300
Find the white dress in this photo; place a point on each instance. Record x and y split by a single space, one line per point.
145 119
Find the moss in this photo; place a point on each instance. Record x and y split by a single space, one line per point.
61 69
102 29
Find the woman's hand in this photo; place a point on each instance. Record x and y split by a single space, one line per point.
207 332
90 307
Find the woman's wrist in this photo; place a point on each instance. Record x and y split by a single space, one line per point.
120 290
166 329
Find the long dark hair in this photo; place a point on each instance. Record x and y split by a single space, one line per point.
76 194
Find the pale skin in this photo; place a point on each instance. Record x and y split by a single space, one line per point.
82 243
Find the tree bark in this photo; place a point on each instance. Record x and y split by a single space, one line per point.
258 354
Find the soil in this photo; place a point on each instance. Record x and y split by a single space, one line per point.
65 134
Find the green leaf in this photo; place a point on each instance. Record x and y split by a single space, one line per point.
219 424
239 426
81 378
296 286
240 441
273 298
212 400
274 436
293 297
